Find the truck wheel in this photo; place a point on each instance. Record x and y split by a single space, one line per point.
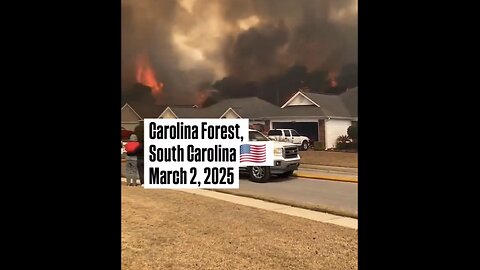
286 174
259 174
304 146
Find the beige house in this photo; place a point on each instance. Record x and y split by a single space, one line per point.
130 118
132 114
320 117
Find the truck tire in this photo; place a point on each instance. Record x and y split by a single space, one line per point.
259 174
304 146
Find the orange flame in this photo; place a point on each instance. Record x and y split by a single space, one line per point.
201 96
146 75
332 76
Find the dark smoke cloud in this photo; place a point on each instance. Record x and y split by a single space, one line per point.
254 54
294 43
137 94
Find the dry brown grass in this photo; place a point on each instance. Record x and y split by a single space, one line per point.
165 229
327 158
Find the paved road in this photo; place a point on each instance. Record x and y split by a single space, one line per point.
335 195
313 192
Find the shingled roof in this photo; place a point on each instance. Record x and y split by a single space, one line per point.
249 107
341 106
147 111
331 105
350 100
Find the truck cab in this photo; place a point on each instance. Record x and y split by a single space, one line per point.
286 160
291 136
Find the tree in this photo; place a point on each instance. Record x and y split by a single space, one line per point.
138 131
352 133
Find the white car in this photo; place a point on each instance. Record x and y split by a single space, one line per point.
291 136
286 160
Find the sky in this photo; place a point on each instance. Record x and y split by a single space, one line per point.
186 51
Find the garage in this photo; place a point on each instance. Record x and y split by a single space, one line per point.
309 129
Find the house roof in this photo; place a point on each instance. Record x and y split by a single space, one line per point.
147 110
305 112
341 106
184 112
127 106
287 103
250 107
331 105
350 100
153 110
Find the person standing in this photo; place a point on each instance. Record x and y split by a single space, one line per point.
131 171
140 164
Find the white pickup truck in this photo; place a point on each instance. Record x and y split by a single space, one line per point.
286 160
291 136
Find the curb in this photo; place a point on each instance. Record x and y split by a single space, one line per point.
316 176
321 178
324 177
316 208
328 168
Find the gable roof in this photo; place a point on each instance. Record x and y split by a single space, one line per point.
153 110
296 95
331 105
147 110
127 106
232 110
166 110
335 106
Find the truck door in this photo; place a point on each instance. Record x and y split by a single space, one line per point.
288 136
296 137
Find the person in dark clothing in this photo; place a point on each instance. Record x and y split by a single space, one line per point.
140 161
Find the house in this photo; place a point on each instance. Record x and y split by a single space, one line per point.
130 118
253 108
132 113
321 117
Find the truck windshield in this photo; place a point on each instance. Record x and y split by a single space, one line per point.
274 133
255 136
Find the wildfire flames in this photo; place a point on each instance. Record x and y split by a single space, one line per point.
200 97
146 75
332 76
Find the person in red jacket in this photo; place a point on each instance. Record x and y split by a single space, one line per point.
131 171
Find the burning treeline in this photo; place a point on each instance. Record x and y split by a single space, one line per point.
187 51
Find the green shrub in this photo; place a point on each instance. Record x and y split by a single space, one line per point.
352 132
318 146
139 132
343 142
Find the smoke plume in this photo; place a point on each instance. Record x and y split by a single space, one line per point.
199 48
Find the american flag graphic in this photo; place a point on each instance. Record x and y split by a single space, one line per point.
252 153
